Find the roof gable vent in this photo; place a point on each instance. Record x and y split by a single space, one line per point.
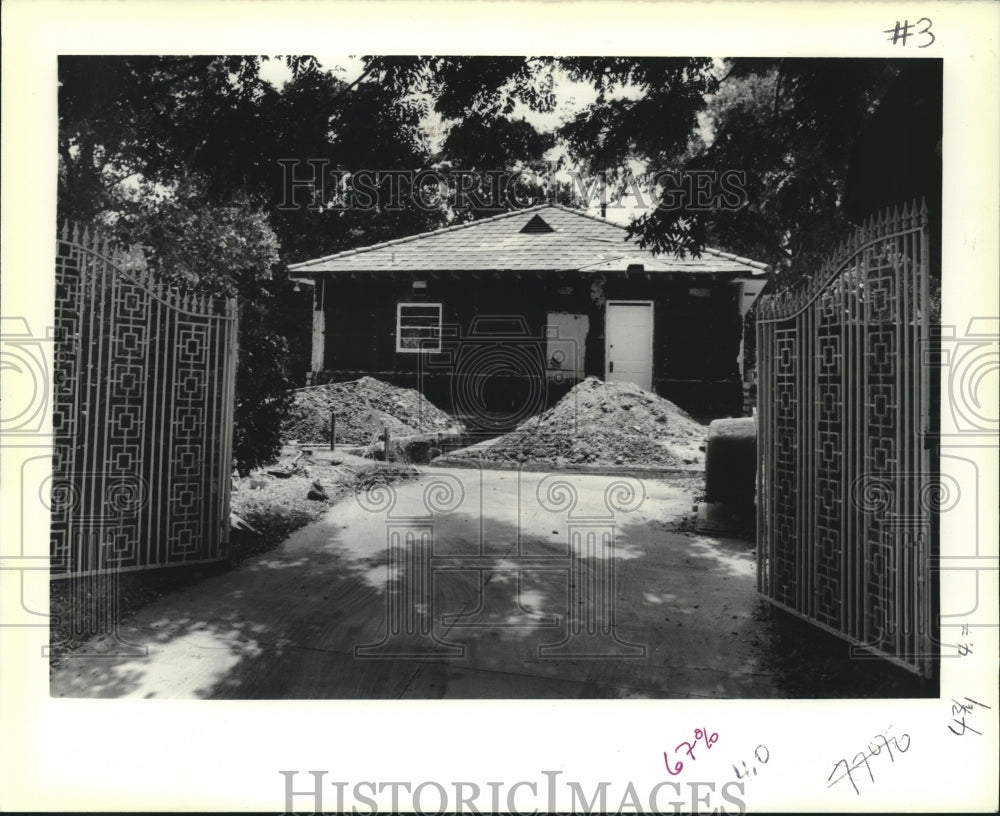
536 226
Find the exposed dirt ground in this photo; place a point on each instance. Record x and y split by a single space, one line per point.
362 408
602 423
277 506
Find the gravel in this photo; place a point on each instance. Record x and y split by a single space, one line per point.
602 423
362 407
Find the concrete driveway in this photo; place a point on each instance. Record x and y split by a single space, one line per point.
462 584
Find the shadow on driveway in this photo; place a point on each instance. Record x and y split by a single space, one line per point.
499 592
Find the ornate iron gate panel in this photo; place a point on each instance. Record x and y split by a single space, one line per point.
845 488
142 420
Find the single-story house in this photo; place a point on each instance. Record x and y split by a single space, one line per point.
498 318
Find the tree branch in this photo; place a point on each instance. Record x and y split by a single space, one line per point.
364 75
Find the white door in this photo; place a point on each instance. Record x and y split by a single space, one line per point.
629 342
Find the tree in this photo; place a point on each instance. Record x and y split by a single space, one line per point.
645 110
792 128
179 157
210 132
223 251
788 126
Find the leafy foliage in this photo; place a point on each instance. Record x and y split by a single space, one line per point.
178 157
212 249
789 126
224 251
181 155
792 127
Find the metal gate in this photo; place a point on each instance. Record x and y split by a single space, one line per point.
144 379
846 490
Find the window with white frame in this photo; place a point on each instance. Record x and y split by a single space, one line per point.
418 327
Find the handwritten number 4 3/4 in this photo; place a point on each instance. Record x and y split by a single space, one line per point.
903 31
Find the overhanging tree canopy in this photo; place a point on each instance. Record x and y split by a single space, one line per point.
181 154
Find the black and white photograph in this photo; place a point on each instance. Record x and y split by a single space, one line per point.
539 377
473 384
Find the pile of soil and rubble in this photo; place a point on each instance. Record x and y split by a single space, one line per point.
362 407
602 423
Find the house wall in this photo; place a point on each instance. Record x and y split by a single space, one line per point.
696 339
493 367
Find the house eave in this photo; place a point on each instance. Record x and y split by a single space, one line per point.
310 276
399 254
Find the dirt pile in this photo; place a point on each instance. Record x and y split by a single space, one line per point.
602 424
362 407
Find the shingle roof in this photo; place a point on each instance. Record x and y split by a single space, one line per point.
578 242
